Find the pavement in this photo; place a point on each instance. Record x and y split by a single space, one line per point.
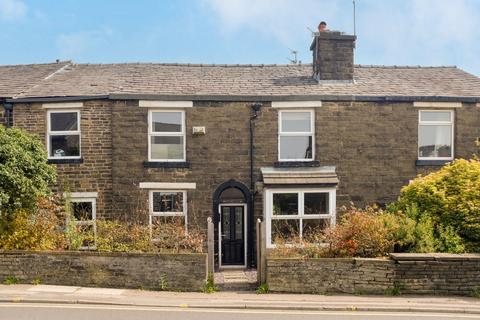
49 294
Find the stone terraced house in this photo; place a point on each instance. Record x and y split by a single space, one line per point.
285 143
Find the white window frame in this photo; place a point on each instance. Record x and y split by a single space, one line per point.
166 134
296 134
92 222
331 215
64 133
436 123
167 214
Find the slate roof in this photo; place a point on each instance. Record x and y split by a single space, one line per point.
272 81
16 79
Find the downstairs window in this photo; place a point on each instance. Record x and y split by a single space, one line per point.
167 210
298 215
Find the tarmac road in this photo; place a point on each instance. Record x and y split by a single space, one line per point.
40 311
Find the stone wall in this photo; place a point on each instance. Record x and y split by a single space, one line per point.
185 272
438 274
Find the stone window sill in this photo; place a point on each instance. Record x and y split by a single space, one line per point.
296 164
158 164
432 162
65 161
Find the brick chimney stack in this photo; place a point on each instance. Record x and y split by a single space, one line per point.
333 56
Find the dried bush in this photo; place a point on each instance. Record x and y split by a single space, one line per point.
41 228
362 233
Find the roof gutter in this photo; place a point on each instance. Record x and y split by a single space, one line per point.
56 99
253 98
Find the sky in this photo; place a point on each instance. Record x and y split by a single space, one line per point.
393 32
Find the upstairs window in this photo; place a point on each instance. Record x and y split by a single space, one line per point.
166 136
63 136
296 136
435 135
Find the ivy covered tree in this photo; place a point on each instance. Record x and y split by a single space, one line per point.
25 175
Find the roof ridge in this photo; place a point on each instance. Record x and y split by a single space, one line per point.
36 64
402 66
174 64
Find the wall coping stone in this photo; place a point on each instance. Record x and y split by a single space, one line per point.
434 257
97 253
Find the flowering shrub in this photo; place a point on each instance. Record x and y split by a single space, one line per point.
362 233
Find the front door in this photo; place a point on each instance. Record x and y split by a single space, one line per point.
232 233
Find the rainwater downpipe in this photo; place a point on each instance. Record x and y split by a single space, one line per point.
255 108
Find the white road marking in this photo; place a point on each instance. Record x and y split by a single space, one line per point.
243 311
49 288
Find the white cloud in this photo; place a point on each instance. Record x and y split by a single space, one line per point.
282 19
73 45
429 32
12 10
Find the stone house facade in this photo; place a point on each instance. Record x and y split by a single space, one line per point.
240 142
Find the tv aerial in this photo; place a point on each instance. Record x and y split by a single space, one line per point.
294 57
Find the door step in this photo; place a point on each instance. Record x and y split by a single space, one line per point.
236 280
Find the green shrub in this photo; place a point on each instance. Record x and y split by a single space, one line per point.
450 197
25 175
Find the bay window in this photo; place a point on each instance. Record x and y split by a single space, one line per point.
298 215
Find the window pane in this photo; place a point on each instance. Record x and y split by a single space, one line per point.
82 211
296 122
313 229
63 121
435 116
166 121
316 203
65 146
226 223
296 147
168 202
285 231
167 148
285 204
435 141
238 223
